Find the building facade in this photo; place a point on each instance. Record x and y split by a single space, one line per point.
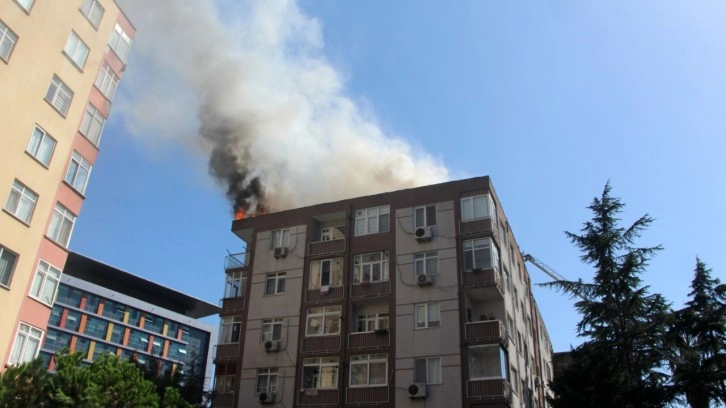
417 297
101 309
60 64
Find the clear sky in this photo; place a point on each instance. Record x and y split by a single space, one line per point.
551 99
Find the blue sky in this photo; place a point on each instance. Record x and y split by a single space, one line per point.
551 100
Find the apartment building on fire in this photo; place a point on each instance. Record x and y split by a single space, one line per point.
60 65
418 297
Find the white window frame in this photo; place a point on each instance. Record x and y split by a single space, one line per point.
93 11
367 360
279 283
234 285
79 171
422 216
372 322
26 4
76 50
41 146
321 366
62 217
364 267
324 313
427 311
320 276
8 259
46 283
92 125
21 202
227 329
472 246
365 217
26 336
432 370
8 39
478 207
120 42
280 238
426 263
502 357
268 330
107 81
59 95
271 383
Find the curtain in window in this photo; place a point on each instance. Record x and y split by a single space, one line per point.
6 266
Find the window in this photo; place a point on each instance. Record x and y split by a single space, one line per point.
27 344
323 321
7 265
234 285
69 296
96 327
92 302
7 41
426 263
59 95
487 362
229 330
370 267
115 311
477 207
120 42
76 50
78 171
102 348
266 380
117 335
280 239
153 323
372 322
56 340
73 320
107 82
515 381
224 384
25 4
368 370
61 226
92 125
41 146
372 220
271 329
275 283
480 253
55 316
320 373
93 11
21 202
326 273
424 216
428 315
45 284
139 340
427 370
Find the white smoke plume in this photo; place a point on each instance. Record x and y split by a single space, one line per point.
248 84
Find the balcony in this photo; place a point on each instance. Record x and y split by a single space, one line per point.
374 339
318 295
321 344
366 395
495 389
488 331
329 247
225 400
318 397
232 306
235 261
370 289
488 279
480 226
226 352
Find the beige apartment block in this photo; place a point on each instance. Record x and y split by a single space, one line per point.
60 65
412 298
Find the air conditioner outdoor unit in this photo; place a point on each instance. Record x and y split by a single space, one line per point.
266 397
280 252
424 280
423 234
417 390
272 345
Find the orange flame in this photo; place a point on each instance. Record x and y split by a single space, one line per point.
239 214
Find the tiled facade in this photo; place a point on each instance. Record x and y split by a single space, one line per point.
60 65
413 297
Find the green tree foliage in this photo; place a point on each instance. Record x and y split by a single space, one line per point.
26 385
698 338
621 363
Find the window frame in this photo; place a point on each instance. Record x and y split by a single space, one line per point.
37 145
79 169
7 36
376 319
230 328
24 195
76 43
43 275
427 374
324 313
502 356
55 99
358 360
87 13
270 373
280 238
60 216
364 216
317 273
227 380
279 285
267 330
91 117
469 207
427 212
31 333
107 81
119 35
8 274
480 244
360 263
421 263
26 5
317 365
428 322
230 280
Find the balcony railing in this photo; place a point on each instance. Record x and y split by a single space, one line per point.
362 340
321 344
232 306
367 395
482 278
488 330
226 351
233 261
318 295
330 247
223 400
318 397
490 389
370 289
480 226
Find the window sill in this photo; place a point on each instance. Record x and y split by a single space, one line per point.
78 193
273 294
36 159
427 328
26 11
95 27
16 218
110 101
6 287
56 109
56 243
40 301
78 67
95 146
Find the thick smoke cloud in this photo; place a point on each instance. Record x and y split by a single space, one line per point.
248 85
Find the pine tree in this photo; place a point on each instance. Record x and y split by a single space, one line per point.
699 340
622 359
26 385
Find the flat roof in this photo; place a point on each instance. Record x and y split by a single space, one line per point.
101 274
